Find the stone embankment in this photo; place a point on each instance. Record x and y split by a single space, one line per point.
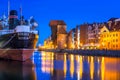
110 53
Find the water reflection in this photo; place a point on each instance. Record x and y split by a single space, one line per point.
59 66
14 70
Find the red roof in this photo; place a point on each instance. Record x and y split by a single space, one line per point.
56 22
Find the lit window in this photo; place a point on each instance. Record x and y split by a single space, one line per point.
113 45
116 34
110 35
113 35
116 40
116 45
104 35
113 40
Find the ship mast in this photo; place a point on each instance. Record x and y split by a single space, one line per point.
21 14
8 8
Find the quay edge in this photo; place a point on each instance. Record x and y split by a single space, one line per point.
109 53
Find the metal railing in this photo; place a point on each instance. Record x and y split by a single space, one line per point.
34 31
2 32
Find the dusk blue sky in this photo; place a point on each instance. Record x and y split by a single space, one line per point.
73 12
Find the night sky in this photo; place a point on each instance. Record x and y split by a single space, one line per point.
73 12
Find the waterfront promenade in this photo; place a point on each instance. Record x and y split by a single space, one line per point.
109 53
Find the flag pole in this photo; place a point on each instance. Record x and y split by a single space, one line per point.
8 8
21 13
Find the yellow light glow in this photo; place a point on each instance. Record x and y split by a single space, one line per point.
91 68
92 44
47 62
102 68
81 44
71 65
78 66
65 65
109 40
81 66
65 45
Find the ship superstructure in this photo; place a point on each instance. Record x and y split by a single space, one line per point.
17 34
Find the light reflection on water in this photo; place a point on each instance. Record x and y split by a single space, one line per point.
15 70
61 66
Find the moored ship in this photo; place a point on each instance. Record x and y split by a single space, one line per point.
18 37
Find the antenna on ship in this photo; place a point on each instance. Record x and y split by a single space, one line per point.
20 14
8 8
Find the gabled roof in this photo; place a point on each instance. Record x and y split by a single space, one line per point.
115 26
112 19
117 19
104 29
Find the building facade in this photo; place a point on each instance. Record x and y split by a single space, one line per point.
74 38
83 34
59 33
48 43
86 36
70 43
109 40
94 35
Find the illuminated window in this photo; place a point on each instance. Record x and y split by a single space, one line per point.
116 45
113 45
116 40
116 34
104 35
113 40
113 35
110 35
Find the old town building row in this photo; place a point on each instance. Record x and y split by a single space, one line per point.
85 36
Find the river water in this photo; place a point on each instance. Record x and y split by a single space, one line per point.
61 66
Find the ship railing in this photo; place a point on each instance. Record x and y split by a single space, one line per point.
2 32
34 31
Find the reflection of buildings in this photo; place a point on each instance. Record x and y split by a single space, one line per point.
44 65
72 69
67 66
60 67
15 70
47 62
110 69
